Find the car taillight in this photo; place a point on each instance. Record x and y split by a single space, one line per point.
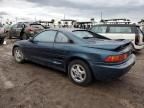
137 39
116 58
30 30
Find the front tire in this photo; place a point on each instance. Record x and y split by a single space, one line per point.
80 73
18 55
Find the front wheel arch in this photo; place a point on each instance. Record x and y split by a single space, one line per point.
13 49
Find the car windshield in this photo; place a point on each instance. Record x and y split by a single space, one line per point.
87 35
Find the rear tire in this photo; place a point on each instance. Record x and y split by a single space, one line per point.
79 73
9 36
1 41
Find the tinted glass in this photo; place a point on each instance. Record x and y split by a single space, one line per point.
14 26
120 30
61 38
46 36
99 29
20 26
87 34
37 26
83 34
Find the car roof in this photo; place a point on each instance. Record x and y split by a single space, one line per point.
29 23
67 29
127 25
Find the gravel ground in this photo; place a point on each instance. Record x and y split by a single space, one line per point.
30 85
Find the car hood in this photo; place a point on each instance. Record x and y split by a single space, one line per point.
108 44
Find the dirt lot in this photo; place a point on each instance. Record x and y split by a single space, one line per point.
32 86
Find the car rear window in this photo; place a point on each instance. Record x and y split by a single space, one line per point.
120 30
99 29
37 26
87 34
82 34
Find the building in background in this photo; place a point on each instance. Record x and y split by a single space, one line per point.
67 23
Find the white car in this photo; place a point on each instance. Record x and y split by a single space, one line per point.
121 31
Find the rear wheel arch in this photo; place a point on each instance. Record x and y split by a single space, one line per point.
80 62
76 58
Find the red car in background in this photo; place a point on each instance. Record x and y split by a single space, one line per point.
24 30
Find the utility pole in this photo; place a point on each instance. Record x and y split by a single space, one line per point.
101 16
16 19
35 19
64 16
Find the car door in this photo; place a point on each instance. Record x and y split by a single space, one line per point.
19 28
61 50
40 49
13 31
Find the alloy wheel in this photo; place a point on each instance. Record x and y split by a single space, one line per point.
18 55
78 73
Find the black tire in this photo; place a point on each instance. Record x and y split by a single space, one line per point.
88 78
21 59
1 41
9 36
24 37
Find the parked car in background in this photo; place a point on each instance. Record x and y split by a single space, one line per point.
24 30
122 31
1 34
83 54
1 29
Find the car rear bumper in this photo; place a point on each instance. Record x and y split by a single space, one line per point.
106 73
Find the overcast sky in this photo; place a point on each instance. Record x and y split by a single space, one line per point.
74 9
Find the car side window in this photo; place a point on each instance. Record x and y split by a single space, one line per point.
14 26
46 36
61 38
120 30
20 26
